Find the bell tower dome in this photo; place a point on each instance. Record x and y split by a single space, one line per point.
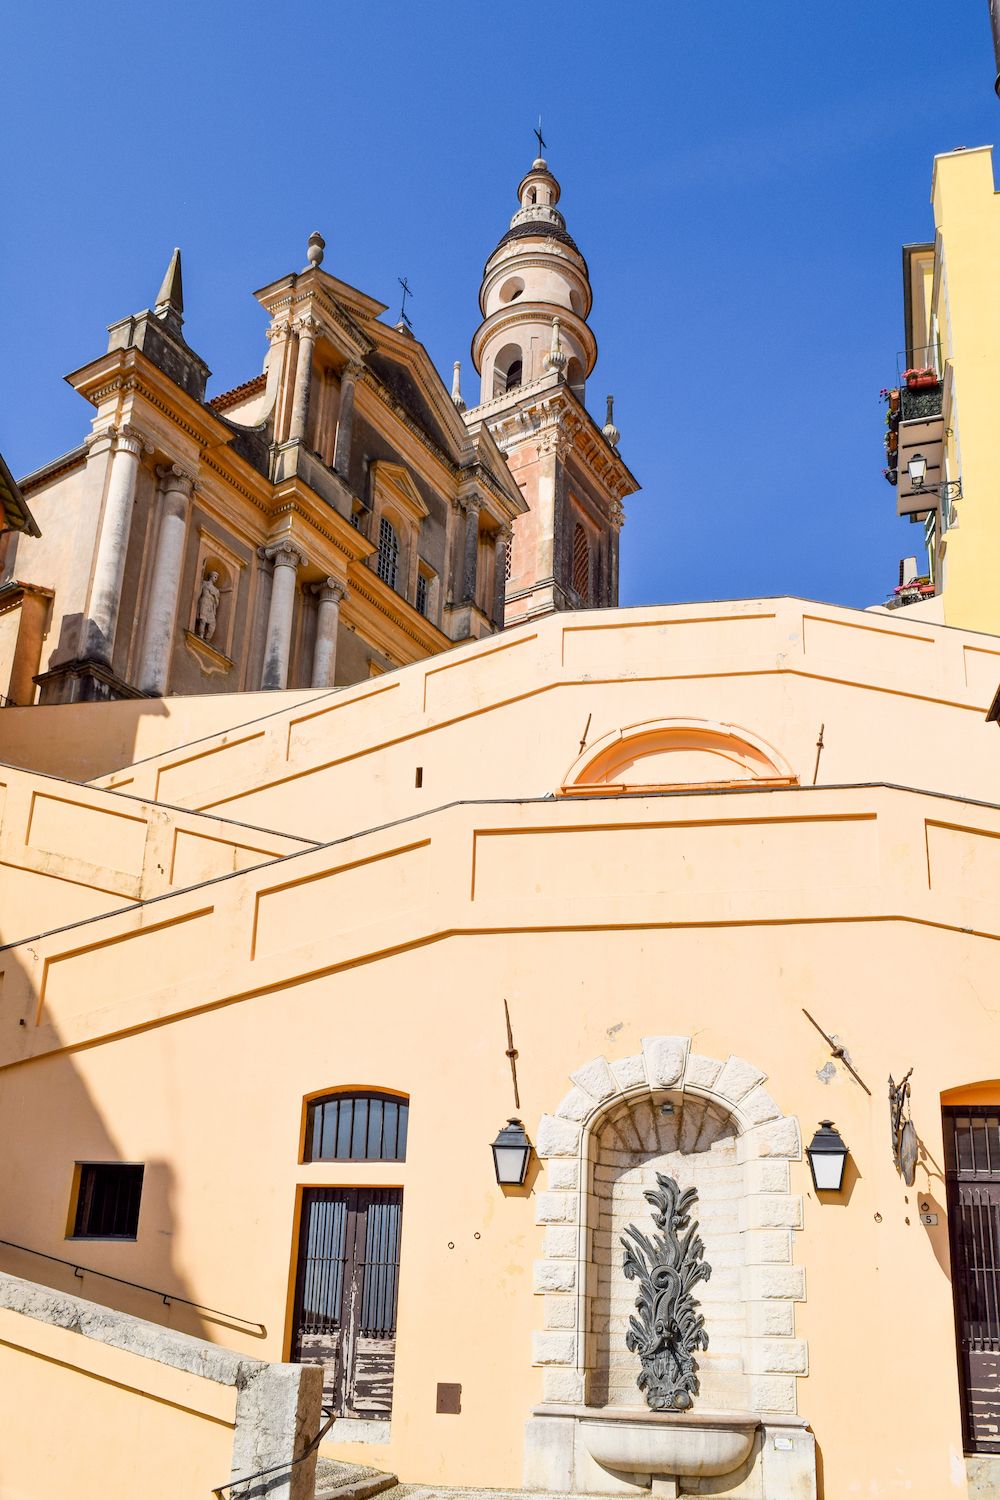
534 351
536 273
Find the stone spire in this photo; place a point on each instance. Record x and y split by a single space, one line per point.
456 386
169 306
317 245
609 429
556 357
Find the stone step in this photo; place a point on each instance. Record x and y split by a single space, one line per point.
341 1481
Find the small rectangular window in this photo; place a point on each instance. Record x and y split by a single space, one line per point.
422 593
107 1205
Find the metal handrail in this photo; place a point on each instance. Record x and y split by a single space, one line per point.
282 1468
168 1297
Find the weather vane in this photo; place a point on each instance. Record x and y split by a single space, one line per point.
542 143
407 292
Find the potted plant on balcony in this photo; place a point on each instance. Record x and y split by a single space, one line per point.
920 376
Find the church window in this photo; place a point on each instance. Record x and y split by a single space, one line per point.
581 563
508 367
107 1204
514 375
367 1125
422 593
387 561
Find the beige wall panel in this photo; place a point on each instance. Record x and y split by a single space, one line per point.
66 1398
199 857
341 899
982 671
206 775
317 733
963 861
105 973
657 648
476 681
59 826
866 650
681 858
32 902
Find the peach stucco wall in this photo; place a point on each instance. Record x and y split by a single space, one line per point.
185 1032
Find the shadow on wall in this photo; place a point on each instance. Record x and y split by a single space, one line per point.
40 1208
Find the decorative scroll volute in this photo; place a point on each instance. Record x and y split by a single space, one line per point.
669 1327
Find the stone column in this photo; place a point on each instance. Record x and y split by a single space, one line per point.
500 575
287 560
472 505
112 545
307 330
342 452
331 594
165 584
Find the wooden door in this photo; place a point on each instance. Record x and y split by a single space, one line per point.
346 1293
972 1158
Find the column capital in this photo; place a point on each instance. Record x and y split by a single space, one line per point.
504 533
471 504
131 440
284 554
353 370
176 477
307 327
329 590
278 331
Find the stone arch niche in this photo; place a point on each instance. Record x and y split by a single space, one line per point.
712 1125
664 754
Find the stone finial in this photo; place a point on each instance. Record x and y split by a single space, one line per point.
556 358
169 305
609 429
317 245
456 386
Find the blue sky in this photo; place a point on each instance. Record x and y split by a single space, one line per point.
740 177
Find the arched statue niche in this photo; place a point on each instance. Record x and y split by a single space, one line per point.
705 1124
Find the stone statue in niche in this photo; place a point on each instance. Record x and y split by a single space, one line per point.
669 1326
207 613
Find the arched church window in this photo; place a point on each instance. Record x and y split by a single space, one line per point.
387 561
581 563
514 375
360 1125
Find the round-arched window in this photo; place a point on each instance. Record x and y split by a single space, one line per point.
360 1125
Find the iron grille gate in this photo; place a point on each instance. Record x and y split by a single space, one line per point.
345 1296
972 1159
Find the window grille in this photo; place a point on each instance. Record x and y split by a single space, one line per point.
368 1126
506 559
422 593
581 563
387 561
107 1206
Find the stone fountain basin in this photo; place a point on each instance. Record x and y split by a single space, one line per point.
670 1444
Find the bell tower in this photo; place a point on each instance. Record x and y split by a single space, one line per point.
534 352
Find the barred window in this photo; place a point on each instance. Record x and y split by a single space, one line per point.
107 1205
581 563
422 593
387 562
359 1126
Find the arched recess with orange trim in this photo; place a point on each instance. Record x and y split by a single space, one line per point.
673 754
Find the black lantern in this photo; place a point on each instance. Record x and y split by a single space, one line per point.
827 1153
917 469
511 1150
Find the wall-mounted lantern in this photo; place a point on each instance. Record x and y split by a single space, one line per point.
950 489
511 1151
827 1153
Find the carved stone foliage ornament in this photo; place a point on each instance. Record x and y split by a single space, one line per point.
669 1327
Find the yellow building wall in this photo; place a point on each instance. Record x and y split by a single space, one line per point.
967 221
92 1420
186 1032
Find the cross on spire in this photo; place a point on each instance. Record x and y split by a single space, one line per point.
407 292
537 132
